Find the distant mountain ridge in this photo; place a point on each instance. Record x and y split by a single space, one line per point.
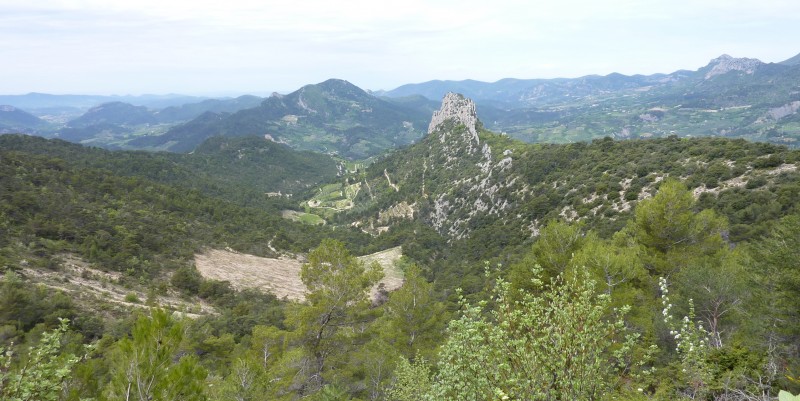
334 116
728 97
188 111
731 97
114 124
725 64
120 113
13 119
116 113
513 92
38 101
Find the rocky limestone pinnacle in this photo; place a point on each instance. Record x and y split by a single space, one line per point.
459 108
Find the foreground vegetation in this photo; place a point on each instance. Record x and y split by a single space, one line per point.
660 304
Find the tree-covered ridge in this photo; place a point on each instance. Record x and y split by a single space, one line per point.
115 113
131 223
188 111
240 169
13 119
108 121
135 233
331 117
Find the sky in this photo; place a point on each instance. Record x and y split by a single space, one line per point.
234 47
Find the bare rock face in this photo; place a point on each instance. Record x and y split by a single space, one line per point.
783 111
461 110
462 179
477 182
725 63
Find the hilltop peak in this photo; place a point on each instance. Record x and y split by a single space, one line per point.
335 82
114 113
463 180
725 63
340 85
13 119
330 90
459 108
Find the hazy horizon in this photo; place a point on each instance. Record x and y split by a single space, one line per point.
204 48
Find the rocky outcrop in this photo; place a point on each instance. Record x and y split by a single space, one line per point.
460 110
725 63
783 111
458 177
475 179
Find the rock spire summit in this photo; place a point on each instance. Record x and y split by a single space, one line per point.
460 110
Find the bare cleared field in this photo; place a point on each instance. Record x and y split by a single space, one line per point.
392 276
281 276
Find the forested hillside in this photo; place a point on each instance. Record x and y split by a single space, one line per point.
13 119
659 269
240 170
107 121
333 116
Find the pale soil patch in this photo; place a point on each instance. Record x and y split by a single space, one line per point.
735 182
591 198
92 287
393 276
291 215
782 169
400 210
569 214
741 181
281 276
